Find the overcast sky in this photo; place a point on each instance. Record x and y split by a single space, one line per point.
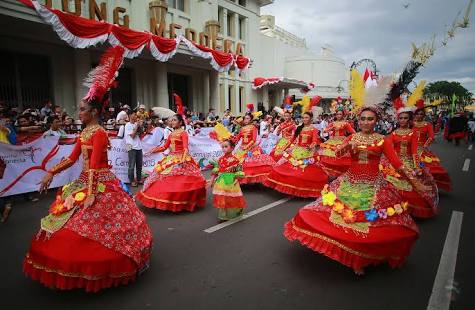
383 31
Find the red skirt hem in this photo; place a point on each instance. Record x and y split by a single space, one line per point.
253 179
337 253
292 191
173 206
55 279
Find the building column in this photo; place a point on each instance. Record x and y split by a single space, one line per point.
82 65
161 79
225 22
265 97
227 104
206 91
213 90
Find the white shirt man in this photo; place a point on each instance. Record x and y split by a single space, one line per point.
122 115
132 139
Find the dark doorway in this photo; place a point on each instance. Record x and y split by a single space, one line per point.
178 84
25 80
122 94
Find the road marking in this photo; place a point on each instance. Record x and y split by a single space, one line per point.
470 147
444 280
466 164
246 215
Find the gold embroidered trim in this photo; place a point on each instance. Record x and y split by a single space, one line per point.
63 165
338 244
295 187
166 201
78 275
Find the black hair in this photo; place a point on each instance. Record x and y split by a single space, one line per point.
180 119
376 112
51 119
231 143
300 127
250 115
420 109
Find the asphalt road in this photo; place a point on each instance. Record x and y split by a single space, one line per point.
250 265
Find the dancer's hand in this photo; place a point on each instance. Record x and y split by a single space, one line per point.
44 184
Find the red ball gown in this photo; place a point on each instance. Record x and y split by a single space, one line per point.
286 130
360 219
423 205
176 183
298 173
103 245
333 165
425 135
255 164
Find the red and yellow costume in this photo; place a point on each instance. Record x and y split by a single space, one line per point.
425 135
297 173
360 219
103 245
334 166
176 183
227 194
287 130
420 204
255 164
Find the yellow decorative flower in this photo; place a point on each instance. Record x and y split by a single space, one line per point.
57 209
380 142
328 199
381 168
65 187
391 211
398 209
101 187
79 196
404 205
338 207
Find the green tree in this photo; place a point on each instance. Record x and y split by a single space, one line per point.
446 89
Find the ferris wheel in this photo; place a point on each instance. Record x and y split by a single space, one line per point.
365 63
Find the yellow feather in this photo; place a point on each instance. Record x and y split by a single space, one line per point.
416 94
357 90
305 103
222 132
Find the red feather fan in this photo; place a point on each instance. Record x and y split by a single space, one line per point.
101 78
398 104
314 102
288 100
250 107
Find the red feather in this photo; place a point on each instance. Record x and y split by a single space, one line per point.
250 107
288 100
314 101
101 78
420 104
180 109
398 103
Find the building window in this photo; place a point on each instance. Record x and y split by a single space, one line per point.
230 24
242 2
241 99
230 105
220 19
177 4
242 28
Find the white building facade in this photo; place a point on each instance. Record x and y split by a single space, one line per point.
37 65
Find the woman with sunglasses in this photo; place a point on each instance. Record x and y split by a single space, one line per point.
425 136
361 219
420 204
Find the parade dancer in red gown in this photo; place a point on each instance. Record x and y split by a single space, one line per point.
425 136
423 205
256 165
298 173
176 183
94 237
339 130
286 130
360 219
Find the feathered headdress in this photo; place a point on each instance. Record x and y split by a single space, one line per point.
373 97
220 133
100 79
249 108
416 94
